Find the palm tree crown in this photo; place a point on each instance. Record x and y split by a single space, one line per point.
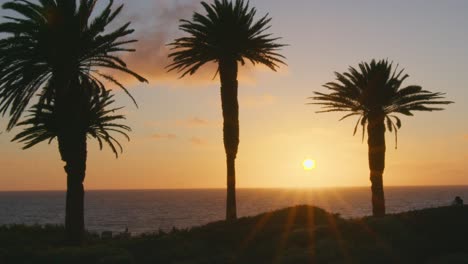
57 40
95 119
228 30
376 90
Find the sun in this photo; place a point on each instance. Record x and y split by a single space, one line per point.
308 164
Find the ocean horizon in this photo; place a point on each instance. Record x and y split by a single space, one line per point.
143 211
241 188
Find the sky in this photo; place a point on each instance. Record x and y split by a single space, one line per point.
176 140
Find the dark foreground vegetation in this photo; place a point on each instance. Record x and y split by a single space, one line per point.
299 234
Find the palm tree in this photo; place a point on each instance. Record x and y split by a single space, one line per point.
226 35
98 122
374 94
95 120
57 46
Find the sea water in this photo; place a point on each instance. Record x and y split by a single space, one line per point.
151 210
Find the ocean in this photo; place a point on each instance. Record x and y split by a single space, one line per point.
152 210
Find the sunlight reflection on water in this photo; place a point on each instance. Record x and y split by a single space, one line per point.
150 210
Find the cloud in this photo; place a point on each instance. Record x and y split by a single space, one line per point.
156 26
254 101
465 136
198 141
195 122
192 122
164 136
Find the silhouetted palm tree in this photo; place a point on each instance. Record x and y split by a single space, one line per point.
96 120
373 92
56 46
226 35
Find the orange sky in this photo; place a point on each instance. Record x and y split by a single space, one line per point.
177 131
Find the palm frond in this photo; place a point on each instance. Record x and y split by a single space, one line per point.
99 122
227 30
48 43
374 89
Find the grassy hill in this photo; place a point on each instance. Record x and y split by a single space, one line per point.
300 234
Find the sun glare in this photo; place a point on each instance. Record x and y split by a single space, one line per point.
308 164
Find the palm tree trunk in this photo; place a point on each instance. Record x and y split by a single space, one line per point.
376 144
73 151
230 105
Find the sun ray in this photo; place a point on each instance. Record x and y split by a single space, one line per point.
255 230
348 209
311 232
380 241
291 217
334 228
345 208
260 223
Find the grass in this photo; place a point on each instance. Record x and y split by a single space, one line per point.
300 234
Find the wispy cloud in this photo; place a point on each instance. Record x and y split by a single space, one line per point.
157 25
198 141
465 136
163 136
257 100
192 122
195 122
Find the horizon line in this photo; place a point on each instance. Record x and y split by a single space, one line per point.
243 188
